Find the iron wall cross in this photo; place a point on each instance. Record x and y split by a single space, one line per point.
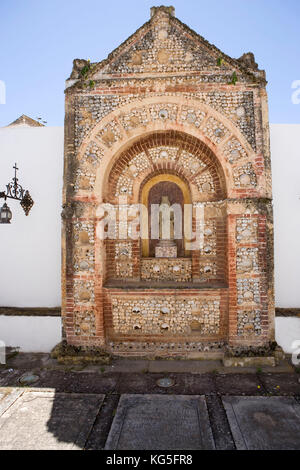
15 191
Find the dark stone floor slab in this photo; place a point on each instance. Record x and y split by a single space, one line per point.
238 384
27 361
135 383
192 384
156 422
281 384
264 423
8 377
45 420
72 382
184 384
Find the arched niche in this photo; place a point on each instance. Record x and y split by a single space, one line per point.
168 158
166 152
178 192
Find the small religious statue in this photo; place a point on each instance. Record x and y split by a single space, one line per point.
166 247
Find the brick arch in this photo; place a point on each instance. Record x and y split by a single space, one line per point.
151 182
126 138
185 145
164 171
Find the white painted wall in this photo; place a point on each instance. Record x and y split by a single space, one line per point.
30 334
30 254
287 331
285 148
30 246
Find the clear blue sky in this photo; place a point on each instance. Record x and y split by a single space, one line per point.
40 39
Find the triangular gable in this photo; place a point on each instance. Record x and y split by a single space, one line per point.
166 45
26 121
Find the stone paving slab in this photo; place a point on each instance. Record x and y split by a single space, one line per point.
156 422
264 423
7 397
45 420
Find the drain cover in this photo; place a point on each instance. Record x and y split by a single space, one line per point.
28 379
165 382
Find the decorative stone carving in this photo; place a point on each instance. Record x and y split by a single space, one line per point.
245 176
110 134
78 66
248 60
215 130
249 323
247 260
234 151
248 291
83 292
163 105
161 315
85 323
246 230
177 270
68 211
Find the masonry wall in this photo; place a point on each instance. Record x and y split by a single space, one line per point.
285 147
30 273
30 257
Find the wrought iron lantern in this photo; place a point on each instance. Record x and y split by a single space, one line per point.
14 191
5 214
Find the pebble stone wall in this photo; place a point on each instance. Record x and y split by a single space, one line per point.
168 104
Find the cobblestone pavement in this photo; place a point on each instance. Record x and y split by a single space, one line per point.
121 406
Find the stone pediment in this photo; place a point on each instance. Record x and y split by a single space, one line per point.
164 45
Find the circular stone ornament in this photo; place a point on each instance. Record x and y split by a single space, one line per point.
84 265
162 34
134 121
245 179
235 154
133 169
247 263
248 296
246 233
206 187
240 112
136 310
165 382
188 57
207 270
195 166
165 311
163 154
163 114
218 132
191 118
28 379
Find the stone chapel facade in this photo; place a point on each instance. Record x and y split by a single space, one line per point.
168 117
